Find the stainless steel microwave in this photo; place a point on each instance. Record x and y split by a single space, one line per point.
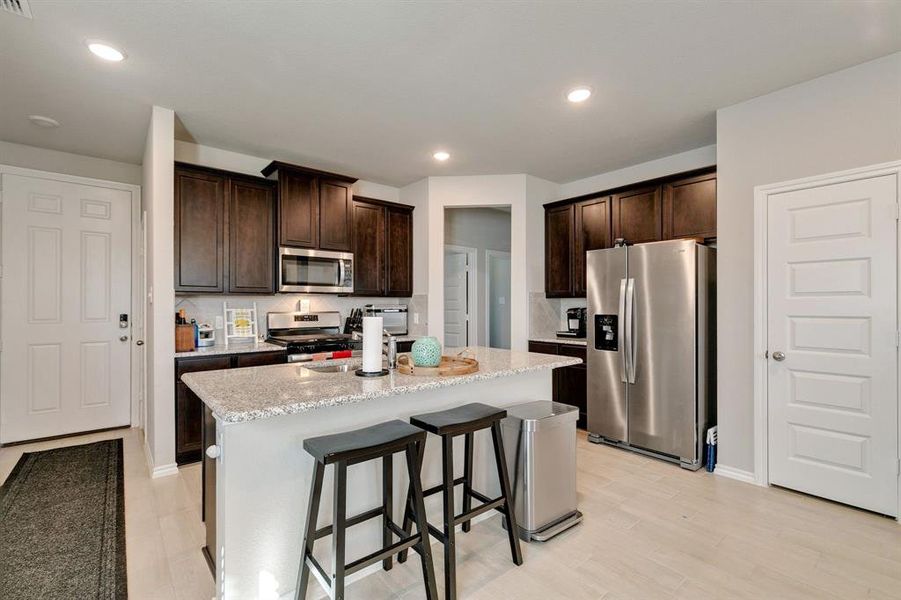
315 271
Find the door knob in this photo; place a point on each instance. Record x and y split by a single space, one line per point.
213 451
123 338
778 356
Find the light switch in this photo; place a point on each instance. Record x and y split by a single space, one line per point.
304 305
219 323
416 318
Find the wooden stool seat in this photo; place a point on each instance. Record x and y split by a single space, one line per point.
363 444
461 419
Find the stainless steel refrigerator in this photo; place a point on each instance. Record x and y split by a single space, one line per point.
651 348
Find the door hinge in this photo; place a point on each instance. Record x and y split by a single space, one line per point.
897 211
898 339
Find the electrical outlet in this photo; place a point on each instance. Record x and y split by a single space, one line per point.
416 318
304 305
219 323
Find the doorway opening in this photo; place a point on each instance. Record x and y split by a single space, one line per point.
477 277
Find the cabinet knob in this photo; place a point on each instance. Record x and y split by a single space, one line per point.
213 451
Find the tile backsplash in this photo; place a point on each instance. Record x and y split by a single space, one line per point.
548 315
206 308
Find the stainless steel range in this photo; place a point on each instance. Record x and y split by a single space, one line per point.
311 336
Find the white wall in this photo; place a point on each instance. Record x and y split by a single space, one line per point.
417 194
53 161
482 229
847 119
197 154
661 167
159 335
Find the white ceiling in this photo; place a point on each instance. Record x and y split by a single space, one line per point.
372 89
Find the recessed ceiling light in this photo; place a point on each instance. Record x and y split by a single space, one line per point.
106 52
42 121
441 155
579 94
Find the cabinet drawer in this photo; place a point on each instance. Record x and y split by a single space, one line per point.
190 365
258 359
543 347
572 350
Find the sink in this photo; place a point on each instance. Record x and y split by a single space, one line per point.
333 368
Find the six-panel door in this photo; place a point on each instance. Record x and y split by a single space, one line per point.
832 316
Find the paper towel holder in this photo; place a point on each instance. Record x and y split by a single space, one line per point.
362 373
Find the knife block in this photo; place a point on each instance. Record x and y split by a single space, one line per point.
184 338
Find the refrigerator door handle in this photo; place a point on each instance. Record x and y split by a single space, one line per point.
630 330
623 325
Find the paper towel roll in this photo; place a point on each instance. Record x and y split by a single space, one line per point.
372 344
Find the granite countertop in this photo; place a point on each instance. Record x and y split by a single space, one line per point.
570 341
238 395
234 348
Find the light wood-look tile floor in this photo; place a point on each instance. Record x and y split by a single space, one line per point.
651 531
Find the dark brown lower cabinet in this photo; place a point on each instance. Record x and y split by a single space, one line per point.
208 489
570 384
188 407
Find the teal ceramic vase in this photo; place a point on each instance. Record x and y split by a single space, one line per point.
426 352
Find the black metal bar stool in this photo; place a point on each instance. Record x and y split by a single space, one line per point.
464 420
345 449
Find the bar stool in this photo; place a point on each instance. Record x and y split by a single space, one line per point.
345 449
464 420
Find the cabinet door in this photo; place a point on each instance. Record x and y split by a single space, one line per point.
251 239
298 207
592 233
208 489
188 424
558 251
189 408
199 231
399 278
638 215
335 199
571 387
369 249
689 207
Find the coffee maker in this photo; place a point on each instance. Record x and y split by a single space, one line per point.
575 323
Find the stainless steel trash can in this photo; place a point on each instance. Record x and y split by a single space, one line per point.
540 447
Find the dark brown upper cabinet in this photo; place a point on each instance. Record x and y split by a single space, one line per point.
689 207
314 207
251 237
399 226
638 215
199 231
224 232
369 248
383 248
559 230
592 233
677 206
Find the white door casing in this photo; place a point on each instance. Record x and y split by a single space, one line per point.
66 279
456 310
831 310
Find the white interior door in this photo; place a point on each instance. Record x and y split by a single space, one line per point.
65 361
456 300
832 314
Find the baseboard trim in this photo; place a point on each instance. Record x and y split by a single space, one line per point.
164 471
736 474
160 471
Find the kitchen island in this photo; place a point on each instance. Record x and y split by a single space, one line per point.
261 416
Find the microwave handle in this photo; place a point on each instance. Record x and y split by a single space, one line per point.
342 271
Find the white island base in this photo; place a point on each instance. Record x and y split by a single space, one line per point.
264 475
